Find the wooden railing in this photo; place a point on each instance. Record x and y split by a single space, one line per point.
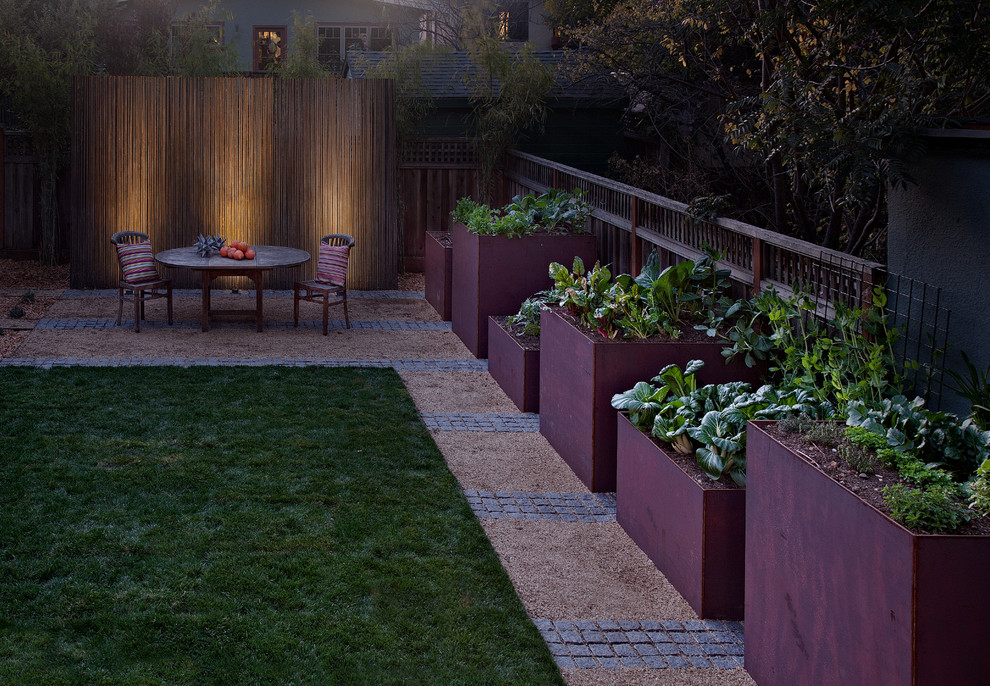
630 222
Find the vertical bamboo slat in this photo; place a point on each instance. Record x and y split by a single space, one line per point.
269 161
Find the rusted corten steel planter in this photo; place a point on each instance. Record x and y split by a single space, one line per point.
694 534
579 376
492 275
839 593
437 263
515 368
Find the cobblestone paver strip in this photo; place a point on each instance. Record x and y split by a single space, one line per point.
455 365
663 644
195 293
104 323
488 422
561 507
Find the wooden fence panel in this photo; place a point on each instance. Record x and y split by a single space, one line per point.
267 161
435 174
17 196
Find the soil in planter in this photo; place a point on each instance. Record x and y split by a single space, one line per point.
689 465
689 334
443 239
516 330
867 487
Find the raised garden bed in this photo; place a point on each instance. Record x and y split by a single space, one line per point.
514 365
581 371
693 532
839 593
438 261
492 275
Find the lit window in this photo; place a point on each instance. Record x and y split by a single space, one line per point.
269 46
512 20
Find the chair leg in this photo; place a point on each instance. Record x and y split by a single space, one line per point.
347 319
295 306
138 310
326 311
120 303
142 296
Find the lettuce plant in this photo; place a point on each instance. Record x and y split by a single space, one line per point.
555 211
710 422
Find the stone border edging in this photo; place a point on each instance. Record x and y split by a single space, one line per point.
196 293
437 365
482 421
560 507
109 323
651 644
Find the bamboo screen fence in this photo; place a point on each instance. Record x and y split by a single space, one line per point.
267 161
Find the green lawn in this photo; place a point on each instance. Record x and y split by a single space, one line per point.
239 526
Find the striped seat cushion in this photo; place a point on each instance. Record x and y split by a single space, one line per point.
332 266
137 262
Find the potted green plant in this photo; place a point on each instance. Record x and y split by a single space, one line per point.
500 256
514 352
680 477
866 556
606 334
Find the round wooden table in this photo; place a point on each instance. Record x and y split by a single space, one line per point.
266 258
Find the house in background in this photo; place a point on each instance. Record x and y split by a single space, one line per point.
583 126
261 30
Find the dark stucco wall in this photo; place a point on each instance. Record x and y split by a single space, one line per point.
939 233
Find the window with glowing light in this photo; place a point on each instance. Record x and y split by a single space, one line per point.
269 47
512 20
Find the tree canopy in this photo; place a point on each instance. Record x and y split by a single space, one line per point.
802 111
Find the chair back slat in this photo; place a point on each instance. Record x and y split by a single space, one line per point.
128 237
337 239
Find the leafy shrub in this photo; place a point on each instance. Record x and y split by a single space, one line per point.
590 296
528 317
657 301
709 422
555 211
979 489
934 509
976 390
848 359
936 438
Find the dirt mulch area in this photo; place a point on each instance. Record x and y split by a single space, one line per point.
30 274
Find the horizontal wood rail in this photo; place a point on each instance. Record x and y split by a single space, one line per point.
630 222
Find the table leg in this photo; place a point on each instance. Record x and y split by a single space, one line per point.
206 299
259 288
